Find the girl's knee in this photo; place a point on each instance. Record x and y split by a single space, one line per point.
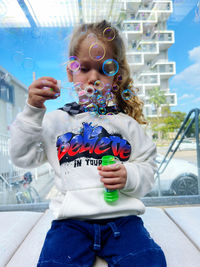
146 258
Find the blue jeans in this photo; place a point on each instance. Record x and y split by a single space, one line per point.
121 241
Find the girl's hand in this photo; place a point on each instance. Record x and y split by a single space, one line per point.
43 89
113 176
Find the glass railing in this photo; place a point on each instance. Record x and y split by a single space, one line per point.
132 27
148 79
162 6
163 37
134 59
146 48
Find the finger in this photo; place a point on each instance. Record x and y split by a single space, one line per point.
45 84
108 174
113 187
46 93
99 168
111 181
48 78
112 167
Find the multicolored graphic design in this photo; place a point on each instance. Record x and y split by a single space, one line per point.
91 142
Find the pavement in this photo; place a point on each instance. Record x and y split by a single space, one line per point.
189 155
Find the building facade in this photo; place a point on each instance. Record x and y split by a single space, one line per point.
144 23
13 94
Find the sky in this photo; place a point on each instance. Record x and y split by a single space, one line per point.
185 22
44 51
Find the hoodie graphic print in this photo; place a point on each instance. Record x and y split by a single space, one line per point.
92 142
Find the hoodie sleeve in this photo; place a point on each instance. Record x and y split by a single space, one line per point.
26 147
141 166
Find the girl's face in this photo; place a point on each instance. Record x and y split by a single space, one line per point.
91 73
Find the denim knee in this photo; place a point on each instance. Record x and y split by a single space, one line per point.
151 257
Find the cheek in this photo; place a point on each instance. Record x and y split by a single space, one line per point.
78 77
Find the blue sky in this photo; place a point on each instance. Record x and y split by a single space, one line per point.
45 50
186 53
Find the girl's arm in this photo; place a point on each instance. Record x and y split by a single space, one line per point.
26 143
141 167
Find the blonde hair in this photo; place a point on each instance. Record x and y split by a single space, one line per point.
133 106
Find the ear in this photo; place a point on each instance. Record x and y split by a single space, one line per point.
69 74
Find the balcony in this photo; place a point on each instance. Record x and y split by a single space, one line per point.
135 59
160 6
164 68
142 47
148 79
164 38
171 99
146 16
132 27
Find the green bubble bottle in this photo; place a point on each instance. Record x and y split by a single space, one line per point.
109 195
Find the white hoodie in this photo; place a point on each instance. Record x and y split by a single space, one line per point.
74 146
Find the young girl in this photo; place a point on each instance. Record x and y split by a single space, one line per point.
73 140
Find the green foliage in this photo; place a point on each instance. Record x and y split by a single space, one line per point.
169 122
157 97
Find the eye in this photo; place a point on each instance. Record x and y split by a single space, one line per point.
84 69
101 71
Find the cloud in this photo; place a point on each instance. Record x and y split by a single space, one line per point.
197 100
186 96
194 54
191 74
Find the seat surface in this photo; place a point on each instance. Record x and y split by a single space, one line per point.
162 229
14 227
188 220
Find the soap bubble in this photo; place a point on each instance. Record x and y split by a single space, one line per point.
110 67
28 63
127 94
97 51
109 96
115 88
101 100
73 64
109 33
99 85
18 58
102 110
89 90
119 78
108 87
91 107
78 86
83 99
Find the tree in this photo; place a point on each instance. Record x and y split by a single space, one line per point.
157 98
169 122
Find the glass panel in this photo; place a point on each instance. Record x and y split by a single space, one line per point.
35 36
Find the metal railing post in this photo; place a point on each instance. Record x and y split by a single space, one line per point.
197 111
166 161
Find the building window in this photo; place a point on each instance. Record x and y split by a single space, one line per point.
6 91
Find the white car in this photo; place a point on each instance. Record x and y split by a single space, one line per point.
179 178
186 144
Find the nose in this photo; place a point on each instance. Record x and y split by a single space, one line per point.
93 76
